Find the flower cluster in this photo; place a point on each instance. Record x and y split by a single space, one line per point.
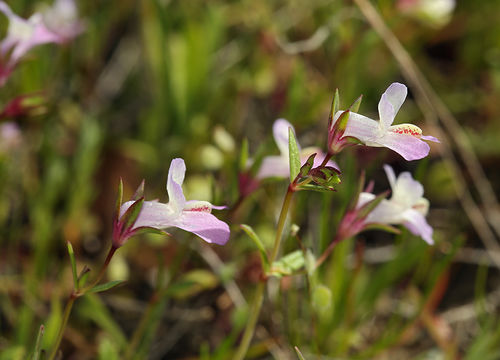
57 24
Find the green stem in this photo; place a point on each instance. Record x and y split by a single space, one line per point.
75 295
259 292
67 312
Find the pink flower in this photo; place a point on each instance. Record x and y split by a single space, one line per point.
406 207
57 24
278 165
193 216
405 139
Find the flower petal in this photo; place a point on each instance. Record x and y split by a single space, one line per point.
174 184
416 223
395 95
386 112
407 191
201 205
391 176
274 166
153 214
409 147
280 133
205 225
430 138
360 127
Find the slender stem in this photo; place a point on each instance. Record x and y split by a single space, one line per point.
67 312
325 160
259 292
111 252
75 295
328 250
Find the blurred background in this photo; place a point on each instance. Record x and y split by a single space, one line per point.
151 80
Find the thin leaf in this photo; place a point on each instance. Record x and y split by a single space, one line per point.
73 264
260 246
105 286
299 354
38 344
294 156
84 275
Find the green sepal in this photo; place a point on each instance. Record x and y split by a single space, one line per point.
299 354
132 213
352 140
38 345
139 193
288 264
335 107
119 199
304 170
341 123
149 230
105 286
260 246
367 208
293 153
355 105
73 264
243 155
326 177
382 227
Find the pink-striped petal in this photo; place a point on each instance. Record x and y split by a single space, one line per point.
408 146
204 225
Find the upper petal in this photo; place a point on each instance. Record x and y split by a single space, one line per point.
394 95
391 176
205 225
409 147
274 166
386 112
280 133
407 191
174 184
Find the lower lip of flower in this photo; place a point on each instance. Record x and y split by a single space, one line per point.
407 129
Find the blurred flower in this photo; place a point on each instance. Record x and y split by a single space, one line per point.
405 139
432 12
10 136
57 24
23 105
278 166
406 207
193 216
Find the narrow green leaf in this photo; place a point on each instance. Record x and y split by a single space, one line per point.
38 344
299 354
294 157
119 199
106 286
73 264
83 277
260 246
355 105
